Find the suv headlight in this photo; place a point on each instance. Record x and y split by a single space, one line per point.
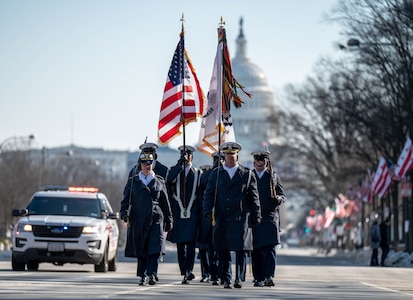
92 229
21 227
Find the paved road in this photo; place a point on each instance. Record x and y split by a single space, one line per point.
301 274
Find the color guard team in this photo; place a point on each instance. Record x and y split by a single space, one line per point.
220 210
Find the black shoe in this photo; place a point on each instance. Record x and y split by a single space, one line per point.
185 280
151 280
227 285
190 275
237 284
258 283
268 282
215 282
205 279
142 281
156 277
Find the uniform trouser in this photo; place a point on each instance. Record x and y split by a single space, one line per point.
204 262
240 265
147 265
186 256
264 261
209 263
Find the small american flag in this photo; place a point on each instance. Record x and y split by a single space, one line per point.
183 99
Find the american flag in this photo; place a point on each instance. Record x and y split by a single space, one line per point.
183 99
405 162
383 178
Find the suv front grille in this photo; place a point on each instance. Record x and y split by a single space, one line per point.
57 231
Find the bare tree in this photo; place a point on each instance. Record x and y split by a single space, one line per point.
354 110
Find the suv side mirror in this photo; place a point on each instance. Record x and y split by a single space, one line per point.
114 216
103 214
19 212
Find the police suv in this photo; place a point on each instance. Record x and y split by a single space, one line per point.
66 225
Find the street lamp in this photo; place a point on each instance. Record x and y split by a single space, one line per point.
357 43
16 139
353 43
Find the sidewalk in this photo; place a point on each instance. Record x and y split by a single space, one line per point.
362 256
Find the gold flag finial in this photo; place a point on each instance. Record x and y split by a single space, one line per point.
221 23
182 21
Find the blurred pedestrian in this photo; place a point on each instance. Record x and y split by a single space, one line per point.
231 203
385 239
266 235
186 204
145 207
374 243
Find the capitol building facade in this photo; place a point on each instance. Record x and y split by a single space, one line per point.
251 122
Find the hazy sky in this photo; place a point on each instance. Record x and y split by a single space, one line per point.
92 72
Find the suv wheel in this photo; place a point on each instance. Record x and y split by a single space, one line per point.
113 264
104 264
17 266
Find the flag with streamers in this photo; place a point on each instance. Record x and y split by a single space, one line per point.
183 99
382 179
216 122
405 162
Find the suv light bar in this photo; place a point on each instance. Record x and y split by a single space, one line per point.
70 188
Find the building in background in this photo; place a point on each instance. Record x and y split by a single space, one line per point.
251 122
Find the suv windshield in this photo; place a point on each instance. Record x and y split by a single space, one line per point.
64 206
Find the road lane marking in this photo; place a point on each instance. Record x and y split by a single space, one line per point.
386 289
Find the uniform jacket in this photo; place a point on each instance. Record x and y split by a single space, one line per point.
184 196
268 231
149 211
236 207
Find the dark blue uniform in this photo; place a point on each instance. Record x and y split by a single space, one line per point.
236 206
266 235
186 210
208 257
149 213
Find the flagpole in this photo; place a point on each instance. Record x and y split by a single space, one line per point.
182 67
221 26
182 74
